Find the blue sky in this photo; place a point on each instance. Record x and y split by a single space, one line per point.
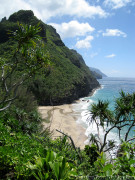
102 31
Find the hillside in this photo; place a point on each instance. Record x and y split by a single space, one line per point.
97 73
68 78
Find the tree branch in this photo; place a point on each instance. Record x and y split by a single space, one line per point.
126 136
104 143
131 139
109 148
2 109
72 142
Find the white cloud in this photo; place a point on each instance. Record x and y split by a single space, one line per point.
114 32
85 43
115 4
72 29
7 7
45 9
110 56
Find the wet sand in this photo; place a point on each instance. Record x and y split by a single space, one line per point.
64 119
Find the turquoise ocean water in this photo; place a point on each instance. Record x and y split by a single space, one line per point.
110 88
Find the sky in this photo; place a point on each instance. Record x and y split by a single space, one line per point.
102 31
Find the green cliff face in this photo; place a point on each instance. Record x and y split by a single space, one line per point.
66 80
96 75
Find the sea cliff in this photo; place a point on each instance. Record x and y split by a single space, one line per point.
67 78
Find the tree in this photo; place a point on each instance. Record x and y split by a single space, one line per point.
122 116
27 59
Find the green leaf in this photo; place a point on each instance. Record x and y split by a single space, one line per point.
108 169
132 169
56 169
127 155
132 162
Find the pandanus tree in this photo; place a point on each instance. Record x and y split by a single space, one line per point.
123 116
27 58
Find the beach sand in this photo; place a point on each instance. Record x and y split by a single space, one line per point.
64 119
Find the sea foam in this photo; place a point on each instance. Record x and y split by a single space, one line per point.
82 111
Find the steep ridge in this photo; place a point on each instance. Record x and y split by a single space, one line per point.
67 80
97 72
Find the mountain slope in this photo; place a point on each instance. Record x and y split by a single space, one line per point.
96 75
97 71
67 80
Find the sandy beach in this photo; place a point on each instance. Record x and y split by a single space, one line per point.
64 119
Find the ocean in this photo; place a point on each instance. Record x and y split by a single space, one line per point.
110 89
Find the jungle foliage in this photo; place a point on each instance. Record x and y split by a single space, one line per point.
27 150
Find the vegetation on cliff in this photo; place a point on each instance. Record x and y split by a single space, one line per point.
67 79
27 150
97 73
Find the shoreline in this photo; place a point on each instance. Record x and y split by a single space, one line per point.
65 118
93 91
